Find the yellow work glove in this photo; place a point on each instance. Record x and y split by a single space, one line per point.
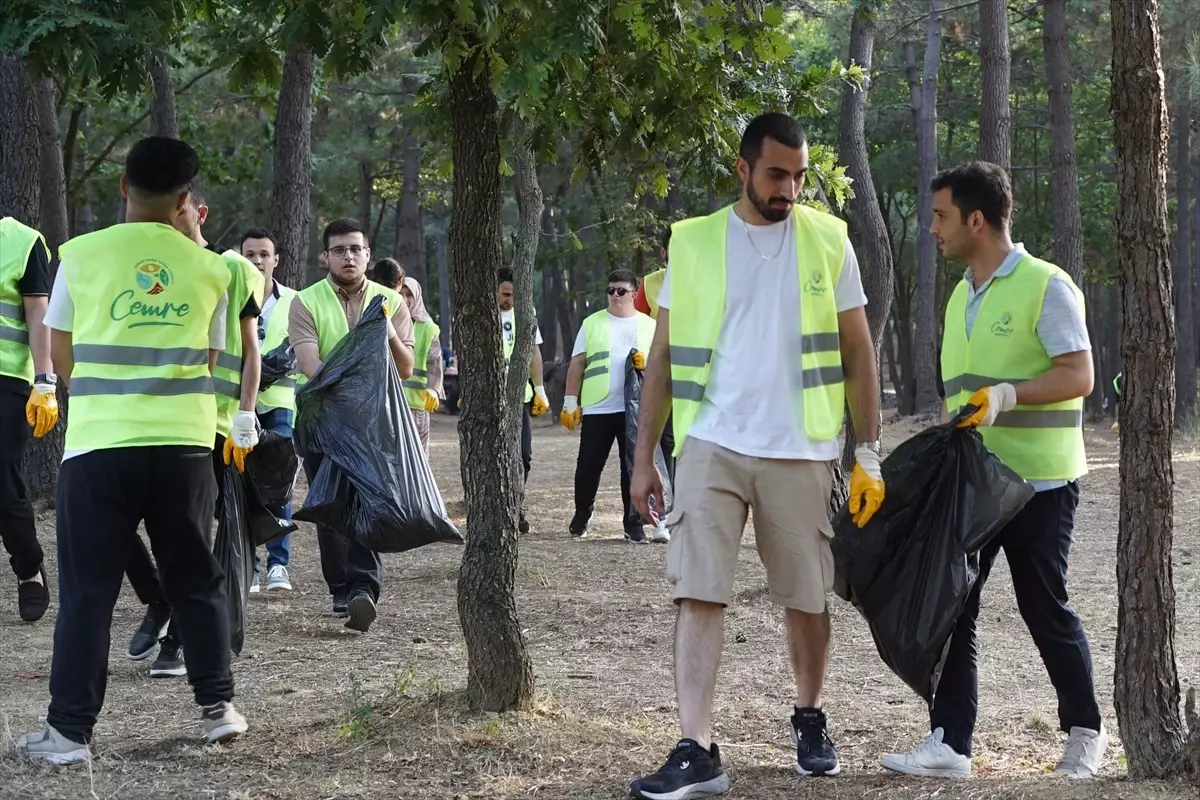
866 485
989 403
1116 427
541 403
242 440
41 410
571 413
639 359
431 400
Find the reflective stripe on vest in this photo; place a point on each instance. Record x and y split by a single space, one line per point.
140 342
698 284
282 393
1042 442
16 244
245 282
597 332
424 335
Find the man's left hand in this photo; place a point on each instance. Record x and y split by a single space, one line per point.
41 410
541 403
866 485
241 440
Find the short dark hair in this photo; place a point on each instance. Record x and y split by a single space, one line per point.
160 165
261 233
772 125
979 186
341 227
623 276
388 271
196 190
504 275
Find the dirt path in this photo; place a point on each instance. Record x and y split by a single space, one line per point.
333 714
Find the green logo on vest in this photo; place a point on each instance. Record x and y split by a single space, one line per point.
1003 326
153 278
816 284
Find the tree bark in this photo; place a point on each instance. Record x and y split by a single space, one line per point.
868 232
1146 689
53 201
365 190
163 119
924 104
443 254
410 238
19 180
995 60
499 673
292 185
1064 171
1185 361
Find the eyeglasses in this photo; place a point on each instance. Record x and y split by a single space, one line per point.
354 250
618 291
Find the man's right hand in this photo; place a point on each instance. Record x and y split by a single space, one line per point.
644 486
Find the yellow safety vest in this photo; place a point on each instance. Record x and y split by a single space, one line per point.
653 285
281 394
144 297
246 282
329 315
1039 442
698 284
598 333
16 243
510 344
424 334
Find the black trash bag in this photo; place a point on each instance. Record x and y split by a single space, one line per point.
235 553
911 569
633 400
277 365
374 484
270 474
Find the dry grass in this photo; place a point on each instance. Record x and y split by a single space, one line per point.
335 715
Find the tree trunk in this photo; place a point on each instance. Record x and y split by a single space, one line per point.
1064 171
19 179
868 232
446 325
410 238
292 185
995 60
1146 689
1185 361
365 190
163 119
499 673
924 104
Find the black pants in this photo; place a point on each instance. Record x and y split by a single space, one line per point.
1036 544
595 443
667 444
526 438
347 566
16 510
102 496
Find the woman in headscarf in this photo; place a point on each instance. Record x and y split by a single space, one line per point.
424 389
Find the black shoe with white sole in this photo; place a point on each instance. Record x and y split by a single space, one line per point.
815 752
169 663
690 772
360 612
153 628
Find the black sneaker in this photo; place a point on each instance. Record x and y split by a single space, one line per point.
360 612
338 609
636 534
153 628
579 525
522 524
33 598
815 753
690 772
169 663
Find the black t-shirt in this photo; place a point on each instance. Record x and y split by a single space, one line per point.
34 283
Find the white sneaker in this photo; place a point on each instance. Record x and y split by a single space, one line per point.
661 535
1084 751
52 747
931 759
254 587
277 579
222 723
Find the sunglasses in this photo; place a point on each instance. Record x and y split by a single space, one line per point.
618 291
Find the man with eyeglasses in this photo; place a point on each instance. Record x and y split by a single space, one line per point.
595 397
325 313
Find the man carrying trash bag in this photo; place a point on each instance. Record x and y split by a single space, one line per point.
1016 347
322 317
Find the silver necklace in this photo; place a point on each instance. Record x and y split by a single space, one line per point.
782 241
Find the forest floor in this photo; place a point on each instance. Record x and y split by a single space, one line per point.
339 715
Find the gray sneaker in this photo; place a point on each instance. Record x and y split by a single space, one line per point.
1084 751
278 580
52 747
222 723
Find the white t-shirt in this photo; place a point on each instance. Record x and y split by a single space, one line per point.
624 338
752 403
509 332
60 316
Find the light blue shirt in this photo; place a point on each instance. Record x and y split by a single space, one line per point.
1061 328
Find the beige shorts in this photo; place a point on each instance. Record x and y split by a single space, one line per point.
715 489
